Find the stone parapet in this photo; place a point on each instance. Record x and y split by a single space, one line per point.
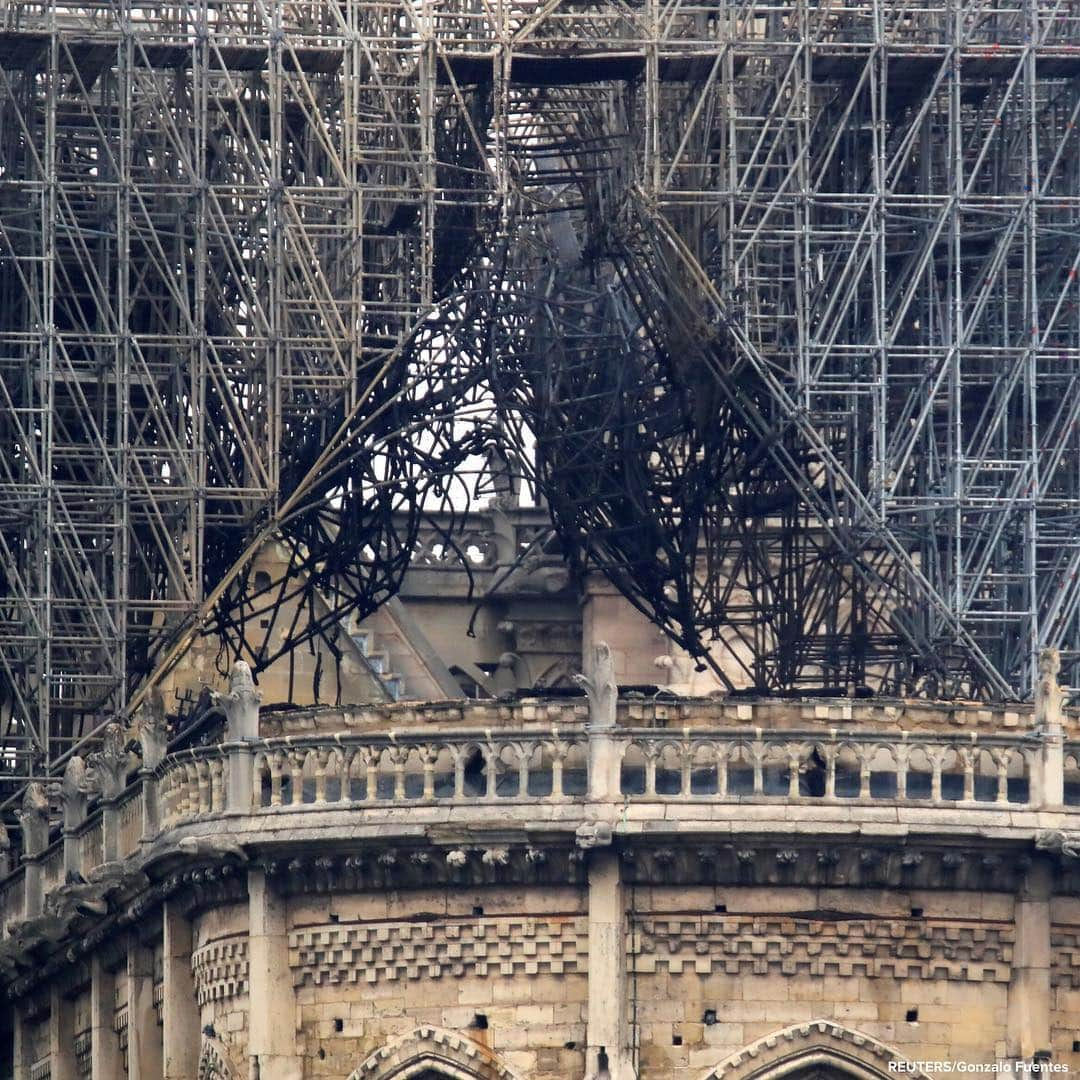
694 777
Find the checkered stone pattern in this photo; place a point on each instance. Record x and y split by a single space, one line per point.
876 948
220 969
1065 957
374 952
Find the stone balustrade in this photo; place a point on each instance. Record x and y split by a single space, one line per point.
553 766
192 785
855 766
836 761
421 769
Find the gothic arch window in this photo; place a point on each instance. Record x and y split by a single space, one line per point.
429 1053
816 1050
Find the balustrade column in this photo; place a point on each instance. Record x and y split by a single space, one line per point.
604 766
272 1012
1051 779
180 1007
150 789
105 1060
1029 990
144 1037
110 830
62 1065
239 788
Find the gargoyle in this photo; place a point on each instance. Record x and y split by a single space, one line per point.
211 845
1060 843
126 876
68 901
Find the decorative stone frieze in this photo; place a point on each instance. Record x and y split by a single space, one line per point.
220 969
874 948
387 867
842 864
1065 957
497 946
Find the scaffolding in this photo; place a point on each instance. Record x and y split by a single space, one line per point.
246 247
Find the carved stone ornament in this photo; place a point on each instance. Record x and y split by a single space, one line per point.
214 1060
34 819
241 704
74 789
1060 843
443 1052
109 766
1050 697
153 730
600 687
593 835
67 901
212 846
495 856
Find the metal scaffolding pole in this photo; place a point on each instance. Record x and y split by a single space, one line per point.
807 272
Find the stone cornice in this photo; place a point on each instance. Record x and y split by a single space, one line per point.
203 871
